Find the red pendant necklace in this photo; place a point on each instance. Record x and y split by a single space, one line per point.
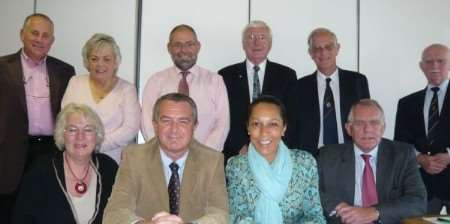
80 186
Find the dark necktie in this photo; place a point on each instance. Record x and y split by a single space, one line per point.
183 87
330 135
369 188
174 190
433 116
256 85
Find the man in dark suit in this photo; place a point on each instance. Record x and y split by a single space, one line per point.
325 97
256 76
371 179
423 120
31 87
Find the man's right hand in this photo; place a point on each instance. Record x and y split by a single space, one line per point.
163 218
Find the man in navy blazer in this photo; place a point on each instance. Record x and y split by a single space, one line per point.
413 126
348 87
31 88
274 79
397 192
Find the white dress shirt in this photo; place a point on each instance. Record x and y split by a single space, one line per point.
251 71
166 161
334 85
359 170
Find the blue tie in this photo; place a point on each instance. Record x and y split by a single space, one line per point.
330 135
174 190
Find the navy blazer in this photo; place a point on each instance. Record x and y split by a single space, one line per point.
401 192
353 86
410 128
14 115
279 81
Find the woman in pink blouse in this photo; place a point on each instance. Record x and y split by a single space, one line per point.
114 99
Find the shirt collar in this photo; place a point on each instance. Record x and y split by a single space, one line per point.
442 87
333 75
250 65
166 160
192 71
373 153
29 61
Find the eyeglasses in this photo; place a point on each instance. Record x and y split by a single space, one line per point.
179 45
371 123
73 131
328 47
257 36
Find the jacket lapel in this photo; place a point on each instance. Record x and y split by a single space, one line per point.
347 169
315 108
156 172
242 82
269 76
190 177
54 86
384 166
16 78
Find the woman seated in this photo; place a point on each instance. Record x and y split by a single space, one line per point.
73 185
271 183
114 99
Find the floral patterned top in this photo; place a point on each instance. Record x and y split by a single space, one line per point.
301 204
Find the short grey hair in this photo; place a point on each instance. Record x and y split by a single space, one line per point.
85 111
175 97
321 30
256 24
40 15
182 27
366 103
97 41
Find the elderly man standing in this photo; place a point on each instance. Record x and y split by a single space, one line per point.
325 97
372 179
31 87
423 119
172 178
256 76
205 87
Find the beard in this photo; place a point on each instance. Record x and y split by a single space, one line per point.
185 62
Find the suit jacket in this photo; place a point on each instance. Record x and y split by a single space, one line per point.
279 81
14 117
410 128
140 190
301 203
353 86
401 192
43 196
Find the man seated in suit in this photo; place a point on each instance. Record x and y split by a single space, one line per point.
172 178
371 179
32 84
247 80
325 96
423 120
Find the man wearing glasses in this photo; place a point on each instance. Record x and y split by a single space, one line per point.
251 78
325 96
206 88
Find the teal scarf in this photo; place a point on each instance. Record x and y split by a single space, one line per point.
272 180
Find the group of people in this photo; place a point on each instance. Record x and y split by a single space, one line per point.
295 151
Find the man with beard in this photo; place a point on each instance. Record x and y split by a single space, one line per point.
205 87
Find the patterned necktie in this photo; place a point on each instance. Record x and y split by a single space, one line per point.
256 85
330 135
174 190
369 188
183 87
433 116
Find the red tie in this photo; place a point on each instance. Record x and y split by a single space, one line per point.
369 188
183 85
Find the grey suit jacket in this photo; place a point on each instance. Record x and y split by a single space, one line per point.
401 192
140 190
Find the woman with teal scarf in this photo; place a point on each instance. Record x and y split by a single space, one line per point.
272 184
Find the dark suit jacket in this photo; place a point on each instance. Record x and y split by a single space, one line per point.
140 190
410 128
353 86
401 192
279 81
42 199
14 117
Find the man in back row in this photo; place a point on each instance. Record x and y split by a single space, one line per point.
205 87
325 97
31 88
256 76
